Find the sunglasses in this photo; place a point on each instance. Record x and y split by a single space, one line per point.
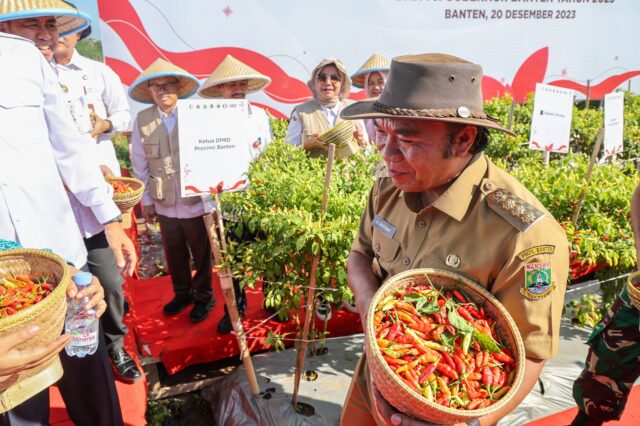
163 87
326 77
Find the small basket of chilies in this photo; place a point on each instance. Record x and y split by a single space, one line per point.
33 286
440 348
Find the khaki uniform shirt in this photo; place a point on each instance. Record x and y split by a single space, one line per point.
487 227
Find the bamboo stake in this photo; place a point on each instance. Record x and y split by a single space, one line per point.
226 282
312 284
586 105
511 111
587 178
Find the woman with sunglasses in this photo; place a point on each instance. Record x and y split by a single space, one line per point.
330 86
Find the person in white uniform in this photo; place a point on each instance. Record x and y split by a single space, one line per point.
233 79
42 153
94 91
106 107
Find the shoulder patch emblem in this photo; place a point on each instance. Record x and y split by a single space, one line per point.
537 280
530 252
514 210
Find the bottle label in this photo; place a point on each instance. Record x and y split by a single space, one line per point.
83 337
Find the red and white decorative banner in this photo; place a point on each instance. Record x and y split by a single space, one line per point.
518 43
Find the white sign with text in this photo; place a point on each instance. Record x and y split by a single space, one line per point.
551 120
613 123
214 145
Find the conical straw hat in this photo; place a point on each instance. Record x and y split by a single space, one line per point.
374 63
231 69
187 84
69 20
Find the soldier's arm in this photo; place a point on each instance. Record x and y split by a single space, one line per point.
635 219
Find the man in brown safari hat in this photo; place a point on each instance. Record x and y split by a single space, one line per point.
445 205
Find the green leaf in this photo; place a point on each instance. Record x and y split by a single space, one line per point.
486 342
447 340
461 324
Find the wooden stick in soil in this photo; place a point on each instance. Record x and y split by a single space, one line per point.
587 178
229 295
312 285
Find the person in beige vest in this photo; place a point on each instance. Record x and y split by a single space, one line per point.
156 161
233 79
445 205
330 86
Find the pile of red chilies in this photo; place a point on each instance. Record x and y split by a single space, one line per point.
21 292
443 346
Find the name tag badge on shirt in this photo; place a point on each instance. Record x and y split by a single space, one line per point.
385 227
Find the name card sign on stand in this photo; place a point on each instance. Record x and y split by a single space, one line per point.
551 121
613 123
215 149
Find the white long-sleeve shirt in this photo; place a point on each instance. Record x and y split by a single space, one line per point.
39 144
94 83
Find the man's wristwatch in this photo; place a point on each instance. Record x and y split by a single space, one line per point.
110 128
474 422
115 219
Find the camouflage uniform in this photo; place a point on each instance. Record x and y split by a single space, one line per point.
612 365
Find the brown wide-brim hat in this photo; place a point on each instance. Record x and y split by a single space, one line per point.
229 70
374 63
139 89
432 86
69 20
345 87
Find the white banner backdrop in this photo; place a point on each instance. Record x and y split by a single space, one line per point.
519 43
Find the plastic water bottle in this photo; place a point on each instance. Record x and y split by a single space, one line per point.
80 324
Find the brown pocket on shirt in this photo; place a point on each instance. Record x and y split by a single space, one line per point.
385 249
155 188
152 150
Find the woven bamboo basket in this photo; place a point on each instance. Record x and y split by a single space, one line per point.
634 292
127 201
341 135
407 400
48 314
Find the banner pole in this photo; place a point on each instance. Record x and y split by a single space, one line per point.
224 274
312 284
587 178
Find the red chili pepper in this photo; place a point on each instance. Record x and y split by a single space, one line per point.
11 310
47 286
473 405
496 375
502 357
487 376
447 371
25 279
478 359
438 318
473 311
428 371
476 346
449 360
503 378
460 368
394 331
459 296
